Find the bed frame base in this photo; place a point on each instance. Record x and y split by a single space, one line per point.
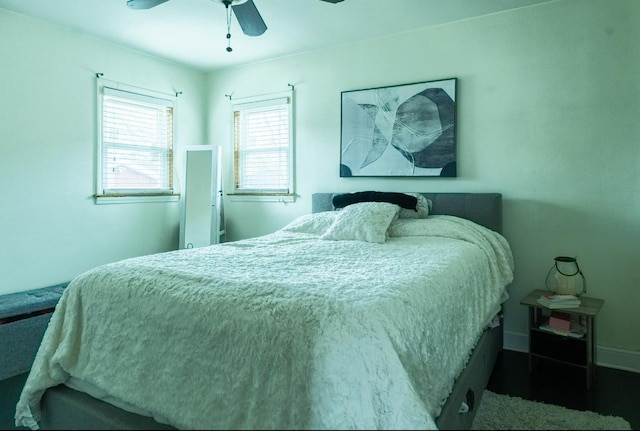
472 382
64 408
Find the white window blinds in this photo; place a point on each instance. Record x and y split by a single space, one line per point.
262 147
136 144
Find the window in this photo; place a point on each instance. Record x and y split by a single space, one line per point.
135 140
262 147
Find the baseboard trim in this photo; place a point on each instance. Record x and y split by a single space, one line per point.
618 358
516 341
609 357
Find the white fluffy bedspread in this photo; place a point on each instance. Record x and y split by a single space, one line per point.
284 331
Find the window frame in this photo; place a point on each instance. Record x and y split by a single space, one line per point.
261 101
134 195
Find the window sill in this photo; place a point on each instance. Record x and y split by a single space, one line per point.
261 198
107 200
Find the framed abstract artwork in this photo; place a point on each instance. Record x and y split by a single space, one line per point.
405 130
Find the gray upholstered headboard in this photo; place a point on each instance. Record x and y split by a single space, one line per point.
482 208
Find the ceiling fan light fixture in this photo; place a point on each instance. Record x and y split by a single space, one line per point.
228 3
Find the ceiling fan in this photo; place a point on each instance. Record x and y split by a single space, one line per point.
246 13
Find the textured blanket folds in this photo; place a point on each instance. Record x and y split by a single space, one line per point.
283 331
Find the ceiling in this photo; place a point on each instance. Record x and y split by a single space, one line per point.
193 32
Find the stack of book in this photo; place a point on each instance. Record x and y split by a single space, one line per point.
565 324
550 300
576 330
560 320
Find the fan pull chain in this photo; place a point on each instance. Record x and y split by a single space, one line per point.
226 5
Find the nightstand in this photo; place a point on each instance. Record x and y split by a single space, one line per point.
575 351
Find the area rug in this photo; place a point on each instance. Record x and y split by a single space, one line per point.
503 412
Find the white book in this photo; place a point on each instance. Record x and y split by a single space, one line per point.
559 301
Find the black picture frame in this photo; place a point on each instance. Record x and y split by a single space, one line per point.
406 130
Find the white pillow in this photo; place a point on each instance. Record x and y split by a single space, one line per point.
366 221
315 223
423 207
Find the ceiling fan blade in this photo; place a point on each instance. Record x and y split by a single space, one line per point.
249 18
144 4
333 1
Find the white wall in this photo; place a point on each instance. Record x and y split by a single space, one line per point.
547 115
50 228
548 112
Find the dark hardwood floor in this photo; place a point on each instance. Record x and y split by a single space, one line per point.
613 392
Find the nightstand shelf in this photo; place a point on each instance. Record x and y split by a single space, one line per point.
577 351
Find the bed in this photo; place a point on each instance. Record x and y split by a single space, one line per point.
306 328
